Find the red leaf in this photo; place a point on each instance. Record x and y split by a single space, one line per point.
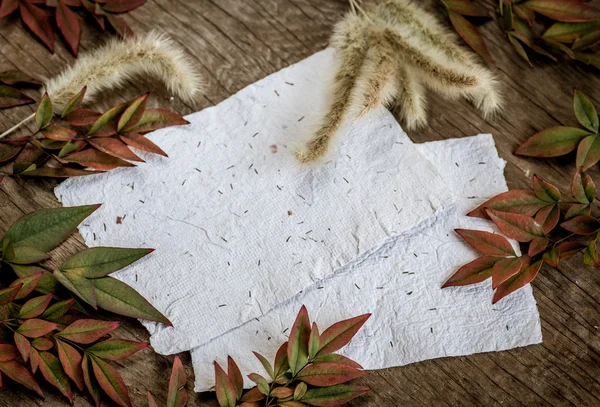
537 246
21 375
471 35
122 6
548 217
474 272
520 280
116 349
518 201
252 396
177 395
226 393
34 328
56 132
151 401
8 294
42 343
545 191
506 268
8 7
582 225
114 147
524 13
235 375
111 382
8 352
488 243
23 345
34 360
282 392
35 306
10 97
564 10
154 119
38 21
27 283
552 142
71 360
588 152
132 115
96 159
329 374
336 358
466 8
583 188
281 361
569 249
261 383
53 373
90 382
297 349
333 396
142 143
340 334
86 331
68 24
522 228
9 150
61 172
82 117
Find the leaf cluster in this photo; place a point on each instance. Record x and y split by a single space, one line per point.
305 372
52 332
76 140
571 27
43 17
547 227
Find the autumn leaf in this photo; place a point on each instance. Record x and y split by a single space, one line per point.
537 246
520 280
582 225
110 381
11 97
35 307
116 349
522 228
471 35
329 374
53 373
590 256
154 119
297 349
101 261
545 191
564 10
21 375
585 112
334 395
71 360
552 142
43 115
281 360
583 188
226 393
518 201
548 217
90 381
38 21
588 152
466 8
505 269
86 331
314 341
265 363
69 26
115 147
261 383
340 334
177 396
487 243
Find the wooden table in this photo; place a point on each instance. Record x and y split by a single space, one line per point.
237 42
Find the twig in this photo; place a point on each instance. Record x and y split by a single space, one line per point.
16 126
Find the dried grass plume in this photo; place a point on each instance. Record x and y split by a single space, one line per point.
111 65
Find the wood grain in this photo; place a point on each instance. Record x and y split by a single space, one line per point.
235 43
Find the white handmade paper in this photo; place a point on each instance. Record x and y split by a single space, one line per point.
238 224
413 318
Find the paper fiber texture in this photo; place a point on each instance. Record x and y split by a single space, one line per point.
413 319
238 224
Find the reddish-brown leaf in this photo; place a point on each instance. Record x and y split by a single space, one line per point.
524 13
588 152
552 142
121 6
518 201
97 160
226 392
340 334
564 10
281 360
106 125
8 7
516 44
90 382
337 358
261 383
69 26
35 306
151 401
119 25
116 349
474 272
142 143
57 172
471 35
56 132
13 76
82 117
9 150
71 360
74 103
54 374
154 119
42 343
132 115
520 280
548 217
8 352
23 345
506 268
178 395
235 375
114 147
569 249
111 382
34 328
582 225
21 375
329 374
522 228
38 21
86 331
282 392
266 365
590 256
585 111
545 191
583 188
28 284
10 97
487 243
71 147
9 294
466 8
334 395
537 246
297 349
253 396
34 360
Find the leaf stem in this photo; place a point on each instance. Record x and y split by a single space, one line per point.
16 126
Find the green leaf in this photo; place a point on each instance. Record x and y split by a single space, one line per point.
9 294
314 343
518 201
226 393
282 392
15 77
78 285
23 345
261 383
587 40
466 8
297 350
505 269
26 255
263 361
110 381
10 97
35 306
340 334
43 115
522 228
34 328
101 261
46 285
552 142
474 272
548 217
116 296
487 243
56 172
300 390
334 395
56 132
252 396
582 225
520 280
551 257
106 125
471 35
545 191
154 119
588 152
329 374
71 360
590 256
281 361
132 115
90 382
21 375
74 103
177 396
47 228
585 111
569 32
86 331
583 188
564 10
116 349
27 285
58 310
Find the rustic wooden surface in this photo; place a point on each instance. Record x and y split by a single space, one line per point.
235 43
